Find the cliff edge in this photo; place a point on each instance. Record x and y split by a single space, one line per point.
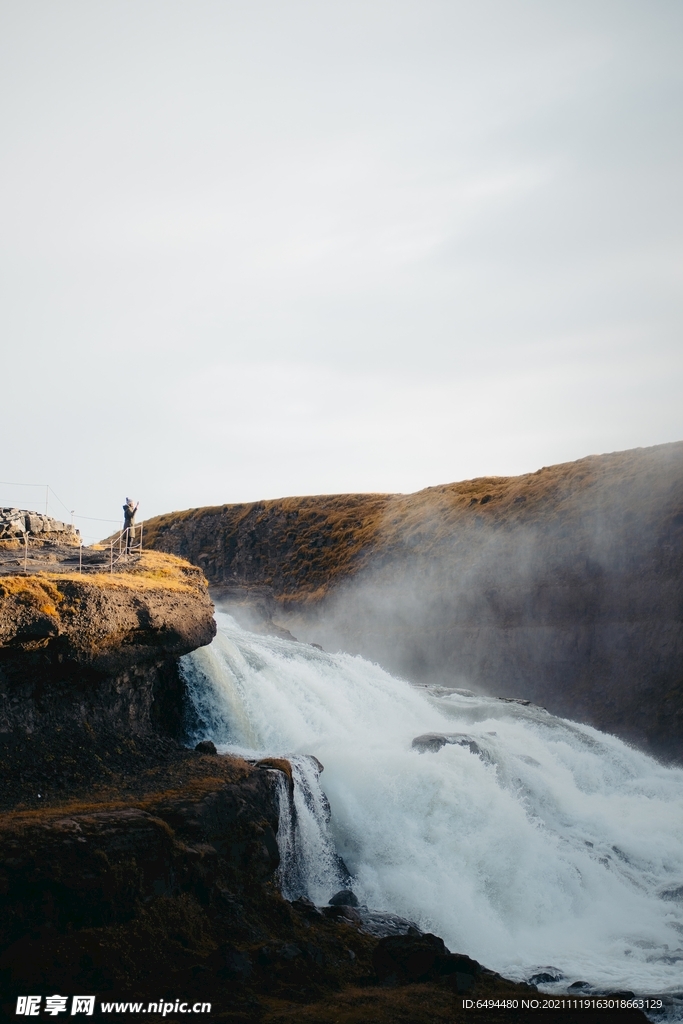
89 680
159 603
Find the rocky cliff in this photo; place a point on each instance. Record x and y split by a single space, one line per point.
89 669
563 586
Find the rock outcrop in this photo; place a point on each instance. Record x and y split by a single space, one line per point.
18 524
564 586
90 664
105 620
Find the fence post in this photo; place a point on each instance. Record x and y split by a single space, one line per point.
25 550
111 555
80 558
141 525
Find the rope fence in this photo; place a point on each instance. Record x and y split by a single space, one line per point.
123 545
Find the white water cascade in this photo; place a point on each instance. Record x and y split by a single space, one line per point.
542 844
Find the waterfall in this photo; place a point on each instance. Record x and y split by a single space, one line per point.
527 841
309 864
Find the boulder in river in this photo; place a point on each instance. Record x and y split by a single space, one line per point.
206 747
434 741
344 898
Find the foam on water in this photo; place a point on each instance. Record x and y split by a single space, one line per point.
556 845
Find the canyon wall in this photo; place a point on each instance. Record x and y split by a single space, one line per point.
564 586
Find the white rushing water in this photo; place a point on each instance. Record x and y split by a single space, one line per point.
555 845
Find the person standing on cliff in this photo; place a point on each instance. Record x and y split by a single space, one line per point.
129 510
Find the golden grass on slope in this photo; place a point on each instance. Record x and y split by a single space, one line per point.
299 547
62 597
295 532
32 591
154 571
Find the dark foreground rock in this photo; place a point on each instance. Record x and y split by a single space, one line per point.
173 893
404 958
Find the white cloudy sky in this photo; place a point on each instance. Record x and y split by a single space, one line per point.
255 248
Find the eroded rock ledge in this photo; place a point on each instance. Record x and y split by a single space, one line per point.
89 671
105 620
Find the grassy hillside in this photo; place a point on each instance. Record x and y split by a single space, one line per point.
302 547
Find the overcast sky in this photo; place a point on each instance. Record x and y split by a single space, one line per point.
256 248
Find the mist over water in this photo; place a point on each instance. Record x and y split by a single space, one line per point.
555 845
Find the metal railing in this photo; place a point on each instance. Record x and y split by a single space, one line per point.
123 545
9 556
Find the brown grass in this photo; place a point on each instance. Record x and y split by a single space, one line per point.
299 547
34 591
153 572
192 778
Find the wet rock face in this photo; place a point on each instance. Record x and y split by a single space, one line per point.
206 747
434 741
344 898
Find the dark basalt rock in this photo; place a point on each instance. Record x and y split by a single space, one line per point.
206 747
306 907
432 741
348 914
381 923
344 898
89 673
403 959
94 870
238 964
289 951
546 976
